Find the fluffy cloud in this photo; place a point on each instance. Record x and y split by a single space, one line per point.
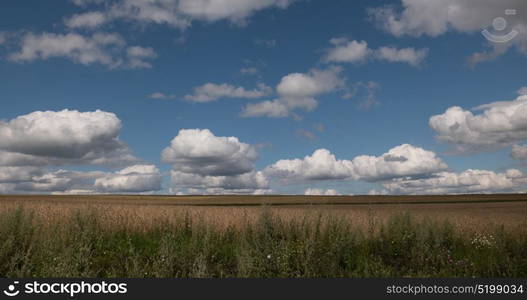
410 56
61 180
18 174
219 191
234 10
203 163
436 17
63 137
271 109
297 91
119 157
321 165
523 90
303 85
86 20
377 192
106 49
247 183
403 160
47 182
199 151
519 152
469 181
320 192
212 92
137 57
134 179
174 13
18 159
32 144
514 173
500 124
346 51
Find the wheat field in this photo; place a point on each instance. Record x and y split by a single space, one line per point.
278 236
466 212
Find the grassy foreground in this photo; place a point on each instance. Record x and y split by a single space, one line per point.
80 245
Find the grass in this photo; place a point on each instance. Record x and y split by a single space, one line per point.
83 243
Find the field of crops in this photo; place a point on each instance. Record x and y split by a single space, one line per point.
271 236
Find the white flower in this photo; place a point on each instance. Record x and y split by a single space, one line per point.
483 241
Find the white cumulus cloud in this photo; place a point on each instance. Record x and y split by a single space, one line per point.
246 183
173 13
401 161
348 51
33 145
212 92
199 151
500 124
321 192
271 109
137 57
63 137
297 91
321 165
469 181
86 20
50 182
410 56
437 17
351 51
108 49
18 174
133 179
203 163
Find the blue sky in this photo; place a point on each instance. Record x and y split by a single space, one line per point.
285 78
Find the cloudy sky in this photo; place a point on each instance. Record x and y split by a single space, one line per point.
263 96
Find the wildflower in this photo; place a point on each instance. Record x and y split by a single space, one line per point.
268 256
483 241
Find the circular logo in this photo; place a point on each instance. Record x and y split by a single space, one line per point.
499 24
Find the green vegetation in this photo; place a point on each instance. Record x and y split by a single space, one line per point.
80 245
